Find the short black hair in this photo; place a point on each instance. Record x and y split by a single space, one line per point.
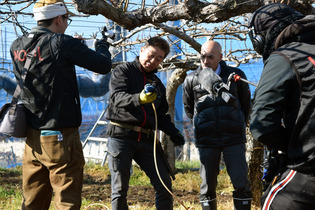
45 23
48 22
157 41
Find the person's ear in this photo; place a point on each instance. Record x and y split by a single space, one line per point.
142 49
59 20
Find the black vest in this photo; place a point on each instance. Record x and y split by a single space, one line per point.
301 147
50 91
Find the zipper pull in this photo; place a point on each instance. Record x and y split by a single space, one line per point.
275 179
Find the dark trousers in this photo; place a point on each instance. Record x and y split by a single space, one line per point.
234 158
293 190
121 154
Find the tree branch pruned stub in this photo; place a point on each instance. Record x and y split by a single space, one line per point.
193 10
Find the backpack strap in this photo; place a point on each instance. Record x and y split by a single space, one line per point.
19 87
292 66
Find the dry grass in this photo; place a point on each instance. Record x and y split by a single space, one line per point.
96 189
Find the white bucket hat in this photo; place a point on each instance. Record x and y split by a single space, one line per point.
47 9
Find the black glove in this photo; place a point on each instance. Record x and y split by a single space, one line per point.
178 139
101 42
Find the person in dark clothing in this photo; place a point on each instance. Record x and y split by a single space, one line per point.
53 158
132 121
283 115
219 127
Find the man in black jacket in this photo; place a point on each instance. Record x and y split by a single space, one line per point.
53 158
219 125
132 121
283 115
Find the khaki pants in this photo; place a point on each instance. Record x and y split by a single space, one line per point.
51 166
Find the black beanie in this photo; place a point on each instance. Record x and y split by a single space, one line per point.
268 21
267 17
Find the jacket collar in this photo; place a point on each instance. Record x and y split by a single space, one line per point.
40 29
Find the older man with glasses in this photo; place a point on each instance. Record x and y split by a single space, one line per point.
132 123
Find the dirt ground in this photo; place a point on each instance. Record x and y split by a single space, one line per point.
96 188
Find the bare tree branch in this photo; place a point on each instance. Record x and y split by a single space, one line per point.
192 10
188 39
6 2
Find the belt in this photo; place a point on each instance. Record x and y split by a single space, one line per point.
131 127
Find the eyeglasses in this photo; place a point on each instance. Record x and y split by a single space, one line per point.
69 20
154 55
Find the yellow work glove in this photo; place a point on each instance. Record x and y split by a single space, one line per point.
147 97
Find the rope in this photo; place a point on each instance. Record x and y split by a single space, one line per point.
155 162
96 204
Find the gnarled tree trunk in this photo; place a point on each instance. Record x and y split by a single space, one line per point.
177 77
254 156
